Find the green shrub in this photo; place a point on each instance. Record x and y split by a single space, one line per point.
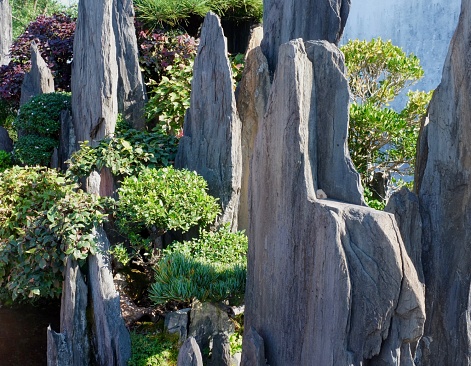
165 199
126 154
34 150
41 115
42 220
154 349
5 160
212 268
171 97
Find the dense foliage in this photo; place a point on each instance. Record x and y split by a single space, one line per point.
211 268
164 199
154 349
178 12
5 160
43 218
126 154
54 36
381 139
39 124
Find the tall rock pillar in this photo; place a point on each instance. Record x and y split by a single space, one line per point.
211 142
92 315
5 32
443 185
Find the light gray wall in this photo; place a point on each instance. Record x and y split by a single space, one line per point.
423 27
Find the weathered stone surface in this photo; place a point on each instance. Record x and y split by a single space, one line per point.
6 35
404 205
331 256
177 322
6 143
221 352
73 320
57 349
445 204
309 20
111 341
253 349
211 142
67 139
39 79
252 97
131 88
336 175
94 72
190 354
207 320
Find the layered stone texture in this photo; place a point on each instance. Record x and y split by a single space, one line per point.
131 88
442 182
335 273
212 129
6 35
284 20
39 79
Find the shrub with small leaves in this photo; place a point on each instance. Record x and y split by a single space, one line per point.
34 150
41 115
164 199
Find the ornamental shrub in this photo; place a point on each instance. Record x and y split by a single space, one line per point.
211 268
164 199
34 150
54 36
41 115
126 154
43 219
5 160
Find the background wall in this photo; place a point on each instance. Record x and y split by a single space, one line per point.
423 27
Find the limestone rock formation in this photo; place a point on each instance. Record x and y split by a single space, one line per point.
39 79
310 20
211 142
445 202
131 88
336 273
190 354
98 324
6 143
5 32
252 97
94 72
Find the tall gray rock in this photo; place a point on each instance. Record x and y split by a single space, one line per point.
94 108
39 79
131 88
284 20
94 72
6 35
212 129
329 281
445 200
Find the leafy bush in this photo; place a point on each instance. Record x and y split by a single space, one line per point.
126 154
177 12
381 139
212 268
34 150
54 36
42 220
41 115
164 199
171 98
5 160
